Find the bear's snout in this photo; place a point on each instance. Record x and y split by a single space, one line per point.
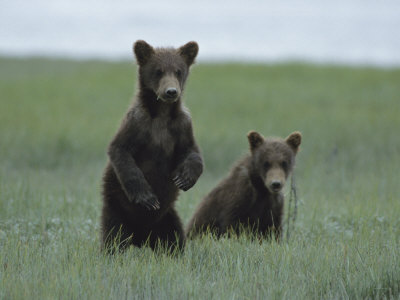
171 92
276 185
169 89
275 180
170 95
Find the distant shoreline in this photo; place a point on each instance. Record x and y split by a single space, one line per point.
205 61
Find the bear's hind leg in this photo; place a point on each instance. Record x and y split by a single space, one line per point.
168 234
114 235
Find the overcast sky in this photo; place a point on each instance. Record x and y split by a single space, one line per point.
355 32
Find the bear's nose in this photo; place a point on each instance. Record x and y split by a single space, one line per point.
276 184
171 92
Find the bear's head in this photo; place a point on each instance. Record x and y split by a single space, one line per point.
164 70
273 159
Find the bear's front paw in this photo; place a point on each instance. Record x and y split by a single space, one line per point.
184 179
148 200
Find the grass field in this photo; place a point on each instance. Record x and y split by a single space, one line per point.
57 117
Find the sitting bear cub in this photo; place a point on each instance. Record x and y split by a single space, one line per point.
251 196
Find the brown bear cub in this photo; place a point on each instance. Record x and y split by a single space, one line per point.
251 196
152 155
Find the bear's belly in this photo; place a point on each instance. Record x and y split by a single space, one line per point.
157 169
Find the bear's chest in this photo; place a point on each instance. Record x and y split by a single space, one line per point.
160 135
265 206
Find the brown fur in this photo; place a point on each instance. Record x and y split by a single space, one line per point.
152 155
251 196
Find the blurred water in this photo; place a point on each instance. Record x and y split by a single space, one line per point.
356 32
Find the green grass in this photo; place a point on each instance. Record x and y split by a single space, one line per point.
57 117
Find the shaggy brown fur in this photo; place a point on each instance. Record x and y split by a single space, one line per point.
251 196
152 155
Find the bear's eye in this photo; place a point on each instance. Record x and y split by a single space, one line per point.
159 73
284 165
178 73
266 165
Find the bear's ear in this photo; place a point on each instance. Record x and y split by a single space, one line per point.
294 140
189 52
255 139
143 52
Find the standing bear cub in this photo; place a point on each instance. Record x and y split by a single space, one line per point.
251 196
152 155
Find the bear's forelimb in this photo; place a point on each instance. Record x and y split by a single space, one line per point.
187 173
131 178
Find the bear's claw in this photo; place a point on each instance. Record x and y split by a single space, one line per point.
184 183
149 201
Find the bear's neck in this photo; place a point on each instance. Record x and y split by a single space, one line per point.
156 107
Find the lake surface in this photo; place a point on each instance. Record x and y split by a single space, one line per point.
353 32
